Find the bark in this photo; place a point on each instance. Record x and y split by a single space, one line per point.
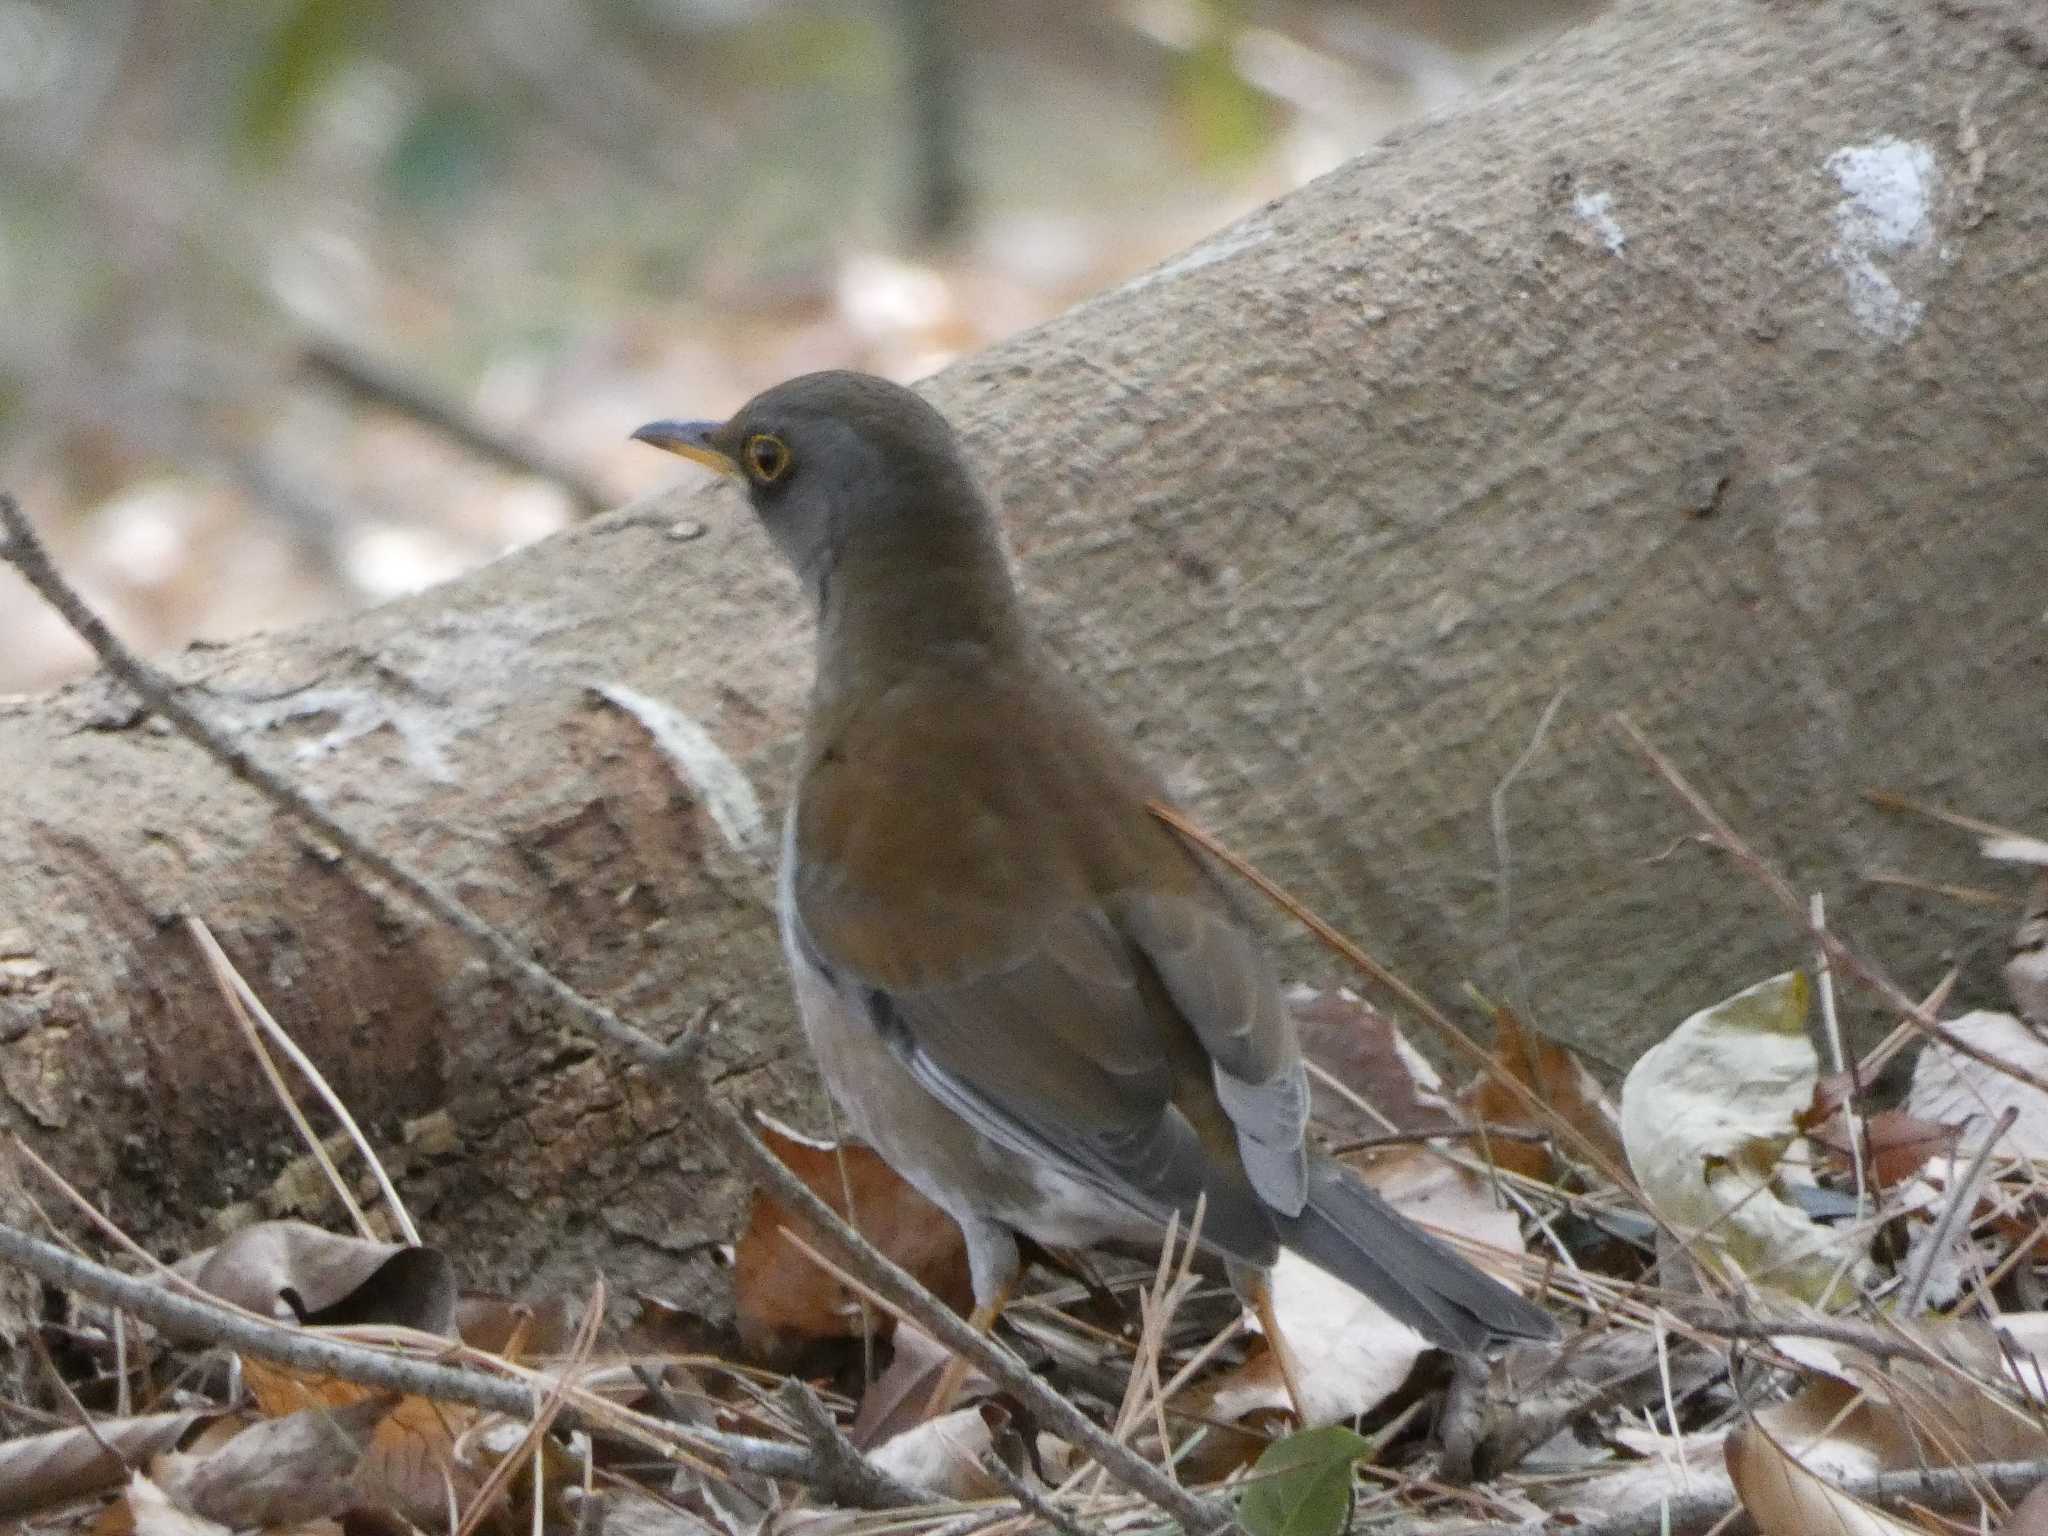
1606 382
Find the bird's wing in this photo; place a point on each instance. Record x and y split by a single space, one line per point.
1221 984
1069 1054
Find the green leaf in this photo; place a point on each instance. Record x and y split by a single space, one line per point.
1301 1486
308 41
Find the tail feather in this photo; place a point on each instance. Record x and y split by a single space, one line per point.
1352 1233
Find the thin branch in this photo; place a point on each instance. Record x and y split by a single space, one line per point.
847 1476
893 1284
25 551
225 977
1845 959
22 549
313 1352
1891 800
1962 1202
1952 1489
378 383
1497 804
1446 1133
257 1014
1031 1500
545 1415
85 1419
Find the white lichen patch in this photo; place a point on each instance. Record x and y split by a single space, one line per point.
324 720
1885 217
431 686
1596 212
723 786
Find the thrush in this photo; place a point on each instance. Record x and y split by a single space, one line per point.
1024 990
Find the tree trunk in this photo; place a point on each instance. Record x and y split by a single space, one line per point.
1700 370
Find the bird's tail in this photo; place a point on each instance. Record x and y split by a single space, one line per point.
1352 1233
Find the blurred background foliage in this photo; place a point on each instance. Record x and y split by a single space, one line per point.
311 302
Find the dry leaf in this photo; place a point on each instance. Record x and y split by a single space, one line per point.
2030 1516
1707 1115
411 1461
632 1511
1351 1353
291 1268
1896 1145
282 1471
943 1455
1365 1051
1670 1466
153 1513
1785 1499
896 1401
1556 1077
783 1300
41 1471
1870 1414
518 1330
1951 1089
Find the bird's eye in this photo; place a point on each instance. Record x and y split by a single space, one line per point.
767 457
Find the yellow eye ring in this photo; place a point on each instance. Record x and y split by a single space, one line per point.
767 457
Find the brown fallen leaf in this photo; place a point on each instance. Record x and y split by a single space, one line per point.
411 1462
519 1330
896 1401
285 1471
42 1471
1365 1051
785 1302
1556 1077
1785 1499
1896 1145
1868 1414
277 1267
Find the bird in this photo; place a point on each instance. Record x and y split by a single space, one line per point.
1023 989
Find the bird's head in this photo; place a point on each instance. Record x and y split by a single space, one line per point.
830 458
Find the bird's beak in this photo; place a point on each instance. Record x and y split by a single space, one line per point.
693 440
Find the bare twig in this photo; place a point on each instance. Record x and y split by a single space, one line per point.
378 383
314 1352
1497 804
1961 1203
231 985
25 551
1955 1488
1446 1133
85 1419
1031 1500
1838 1057
847 1476
545 1415
1845 959
1891 800
261 1016
1970 895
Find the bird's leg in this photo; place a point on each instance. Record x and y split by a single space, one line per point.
982 1320
1258 1290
